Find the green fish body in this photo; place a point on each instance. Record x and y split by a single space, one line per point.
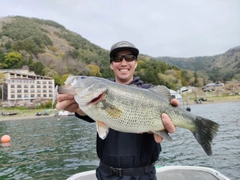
131 109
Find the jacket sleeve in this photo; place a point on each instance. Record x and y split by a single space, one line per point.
85 118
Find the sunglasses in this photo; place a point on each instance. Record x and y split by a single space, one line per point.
128 58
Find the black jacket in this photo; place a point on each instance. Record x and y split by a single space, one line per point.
127 150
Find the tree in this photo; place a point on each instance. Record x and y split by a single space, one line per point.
13 59
64 78
94 70
214 74
196 82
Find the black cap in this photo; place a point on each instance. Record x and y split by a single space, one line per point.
123 46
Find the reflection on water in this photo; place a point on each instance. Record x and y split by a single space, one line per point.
56 149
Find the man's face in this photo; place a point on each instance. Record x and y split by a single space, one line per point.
124 70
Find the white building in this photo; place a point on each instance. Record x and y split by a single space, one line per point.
20 84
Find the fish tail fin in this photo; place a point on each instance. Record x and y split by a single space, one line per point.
205 131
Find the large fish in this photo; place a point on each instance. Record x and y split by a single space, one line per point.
131 109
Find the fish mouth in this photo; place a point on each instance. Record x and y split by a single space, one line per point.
97 99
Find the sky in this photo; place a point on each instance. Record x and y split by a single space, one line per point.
175 28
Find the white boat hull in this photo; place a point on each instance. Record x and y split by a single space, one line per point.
169 173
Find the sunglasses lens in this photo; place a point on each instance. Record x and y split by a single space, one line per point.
128 58
117 58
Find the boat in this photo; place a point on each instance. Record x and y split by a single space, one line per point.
38 114
9 114
64 113
46 113
168 173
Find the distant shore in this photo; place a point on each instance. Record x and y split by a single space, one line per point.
24 116
31 114
213 100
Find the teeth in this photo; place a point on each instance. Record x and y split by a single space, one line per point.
123 70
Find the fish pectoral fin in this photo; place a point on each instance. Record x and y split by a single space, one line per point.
112 110
164 134
102 129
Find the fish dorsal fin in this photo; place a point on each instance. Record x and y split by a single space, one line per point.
163 91
102 129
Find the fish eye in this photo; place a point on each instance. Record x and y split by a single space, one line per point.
82 77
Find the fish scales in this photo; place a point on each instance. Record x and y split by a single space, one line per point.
145 109
131 109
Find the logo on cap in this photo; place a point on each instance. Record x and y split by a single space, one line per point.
123 44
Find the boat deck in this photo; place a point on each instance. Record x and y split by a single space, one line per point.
169 173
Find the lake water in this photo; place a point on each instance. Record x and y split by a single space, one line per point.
57 148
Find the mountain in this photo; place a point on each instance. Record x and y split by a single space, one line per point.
227 64
59 50
49 49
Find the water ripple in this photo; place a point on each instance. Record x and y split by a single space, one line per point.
56 149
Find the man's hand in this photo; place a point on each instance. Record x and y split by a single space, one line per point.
68 103
169 126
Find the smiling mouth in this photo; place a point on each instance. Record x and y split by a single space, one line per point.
123 70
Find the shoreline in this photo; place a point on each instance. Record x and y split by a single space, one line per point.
26 116
32 115
213 100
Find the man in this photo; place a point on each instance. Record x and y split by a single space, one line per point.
123 155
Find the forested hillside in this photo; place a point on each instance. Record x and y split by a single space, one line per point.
222 67
49 49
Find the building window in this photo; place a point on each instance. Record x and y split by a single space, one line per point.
49 86
32 91
39 91
38 95
25 86
44 95
12 90
32 95
38 86
25 91
19 96
32 86
44 82
38 82
44 86
12 95
12 86
19 86
19 91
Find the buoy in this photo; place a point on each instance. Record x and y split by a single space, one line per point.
5 139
